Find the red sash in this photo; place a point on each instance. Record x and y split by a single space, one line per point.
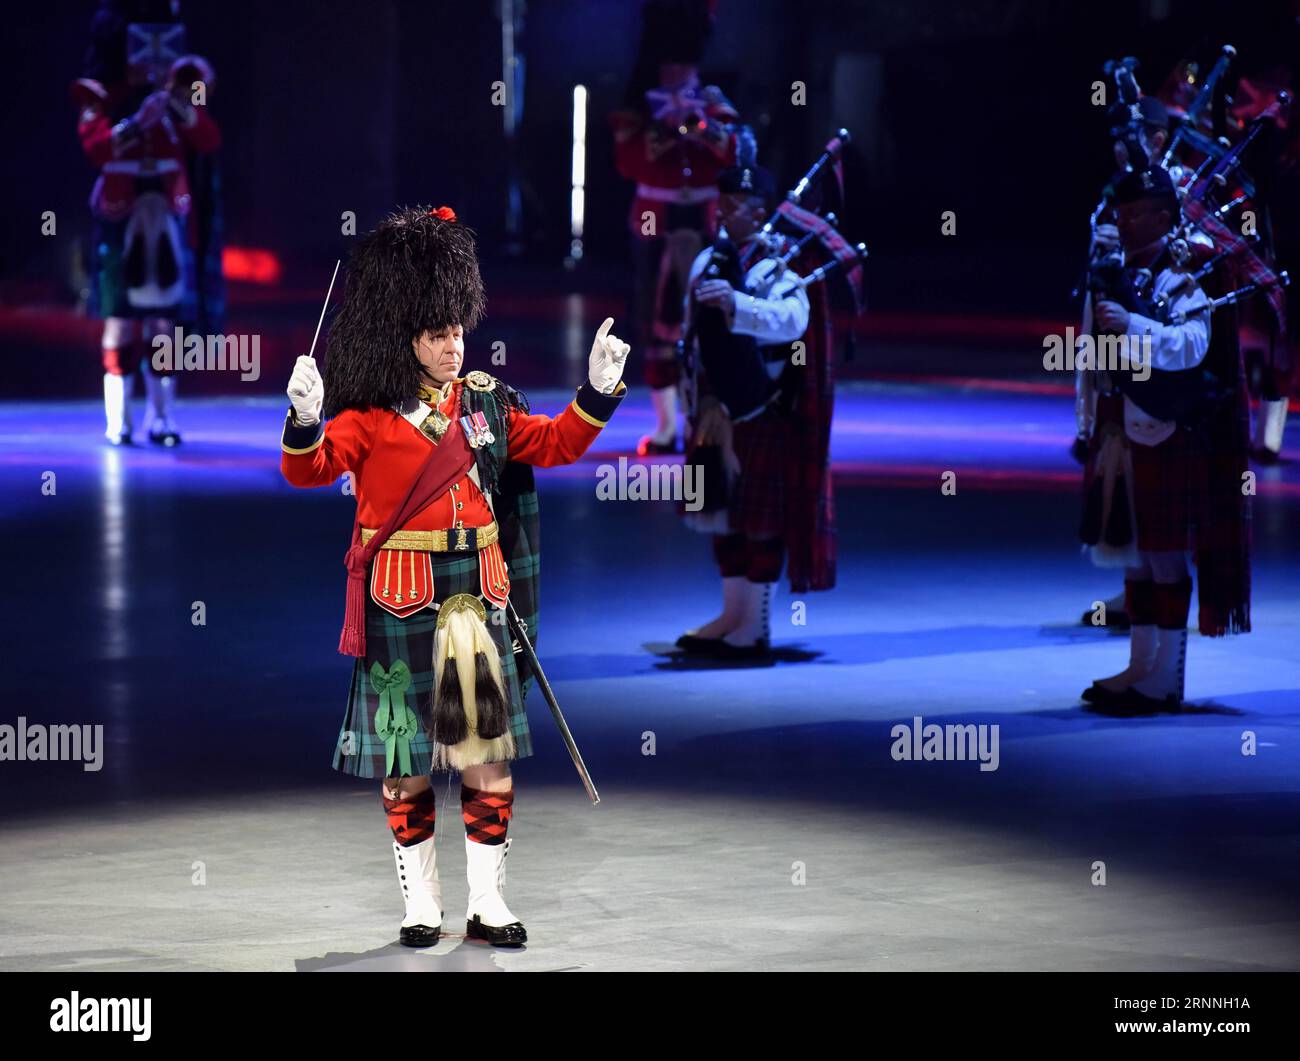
447 463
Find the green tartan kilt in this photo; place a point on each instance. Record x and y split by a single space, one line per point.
360 751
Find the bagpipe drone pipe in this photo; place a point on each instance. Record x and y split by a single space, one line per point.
802 243
1212 244
1196 139
1217 239
805 245
807 240
1126 124
1211 254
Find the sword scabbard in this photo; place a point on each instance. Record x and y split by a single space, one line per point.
566 735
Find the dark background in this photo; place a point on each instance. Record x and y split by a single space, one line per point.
979 107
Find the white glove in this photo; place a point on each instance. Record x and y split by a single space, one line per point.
306 390
608 353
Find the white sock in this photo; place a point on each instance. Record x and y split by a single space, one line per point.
733 590
1141 658
755 620
1270 424
664 400
1168 667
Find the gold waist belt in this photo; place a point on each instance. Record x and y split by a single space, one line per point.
455 540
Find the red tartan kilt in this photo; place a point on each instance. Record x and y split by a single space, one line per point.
761 446
1168 481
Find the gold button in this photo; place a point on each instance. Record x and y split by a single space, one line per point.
460 505
455 486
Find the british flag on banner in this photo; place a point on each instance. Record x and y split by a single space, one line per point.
151 48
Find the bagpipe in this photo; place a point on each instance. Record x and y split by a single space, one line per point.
805 246
1189 131
1185 396
737 365
1126 127
1127 113
1207 244
1211 182
794 228
1193 137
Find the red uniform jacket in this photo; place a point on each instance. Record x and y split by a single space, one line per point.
162 149
384 451
663 163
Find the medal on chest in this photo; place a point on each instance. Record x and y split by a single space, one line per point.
476 429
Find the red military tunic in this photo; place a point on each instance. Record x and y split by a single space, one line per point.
672 169
160 151
384 451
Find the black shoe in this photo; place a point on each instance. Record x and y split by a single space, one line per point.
1132 704
1098 694
760 649
699 646
1140 704
418 935
124 439
511 935
1103 700
648 447
1264 455
170 439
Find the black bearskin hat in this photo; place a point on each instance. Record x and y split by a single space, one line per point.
672 31
416 271
676 31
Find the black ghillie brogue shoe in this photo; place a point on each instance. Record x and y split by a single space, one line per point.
694 645
419 935
169 439
511 935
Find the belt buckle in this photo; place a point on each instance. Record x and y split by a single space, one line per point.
462 539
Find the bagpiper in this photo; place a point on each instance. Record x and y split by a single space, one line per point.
1260 205
1146 132
759 391
1166 456
445 536
1271 342
673 136
143 121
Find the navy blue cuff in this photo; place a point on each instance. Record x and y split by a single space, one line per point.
597 408
298 438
